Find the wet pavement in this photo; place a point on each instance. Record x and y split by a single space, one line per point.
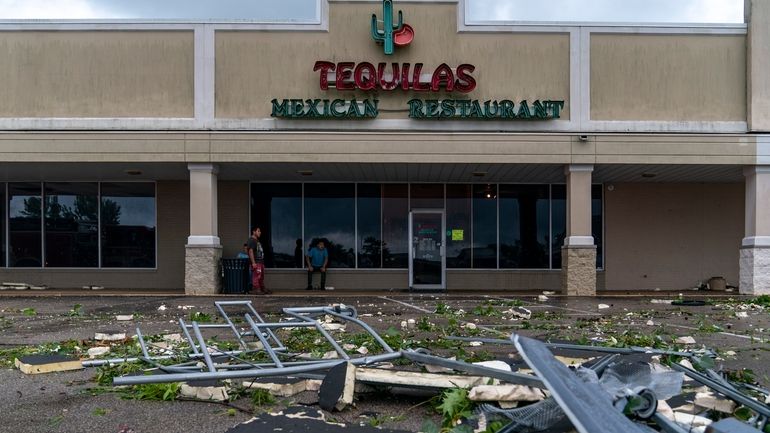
737 331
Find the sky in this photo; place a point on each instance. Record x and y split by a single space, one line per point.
259 10
632 11
650 11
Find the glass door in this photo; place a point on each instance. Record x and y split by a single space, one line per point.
427 261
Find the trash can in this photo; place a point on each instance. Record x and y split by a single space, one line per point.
235 276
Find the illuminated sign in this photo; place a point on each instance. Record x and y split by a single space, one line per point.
391 35
406 77
365 76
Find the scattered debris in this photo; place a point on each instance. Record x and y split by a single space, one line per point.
595 393
109 336
684 340
710 401
37 364
283 386
204 391
337 387
98 351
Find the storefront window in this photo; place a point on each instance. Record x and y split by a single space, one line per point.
458 226
128 225
277 209
71 225
558 223
24 224
330 217
597 218
3 204
484 253
369 225
524 226
426 196
395 226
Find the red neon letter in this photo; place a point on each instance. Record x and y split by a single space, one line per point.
417 86
365 81
387 85
324 67
442 76
343 73
465 83
405 76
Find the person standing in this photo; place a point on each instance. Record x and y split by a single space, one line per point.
257 260
317 259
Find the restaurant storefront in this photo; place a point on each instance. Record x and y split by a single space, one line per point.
428 149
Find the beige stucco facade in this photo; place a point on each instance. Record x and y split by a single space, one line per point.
668 120
96 74
674 77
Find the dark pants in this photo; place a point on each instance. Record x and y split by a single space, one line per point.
310 277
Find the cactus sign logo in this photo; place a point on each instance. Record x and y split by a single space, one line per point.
391 35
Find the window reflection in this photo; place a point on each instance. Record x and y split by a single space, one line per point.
632 11
458 226
277 210
24 225
484 253
558 222
71 225
3 205
128 225
524 227
330 216
596 222
395 226
427 196
299 11
369 225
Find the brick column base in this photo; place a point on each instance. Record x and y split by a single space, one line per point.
578 270
201 269
755 271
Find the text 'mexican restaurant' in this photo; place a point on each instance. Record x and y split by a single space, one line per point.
430 145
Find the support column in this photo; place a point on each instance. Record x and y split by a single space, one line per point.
755 248
203 249
578 255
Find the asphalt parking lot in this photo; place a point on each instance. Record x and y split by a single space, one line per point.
73 402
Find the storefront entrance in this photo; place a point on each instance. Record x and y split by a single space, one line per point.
427 257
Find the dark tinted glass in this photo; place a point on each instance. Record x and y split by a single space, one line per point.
330 217
596 222
524 227
558 222
427 196
484 226
458 226
277 209
71 225
369 225
128 225
24 211
3 204
395 226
